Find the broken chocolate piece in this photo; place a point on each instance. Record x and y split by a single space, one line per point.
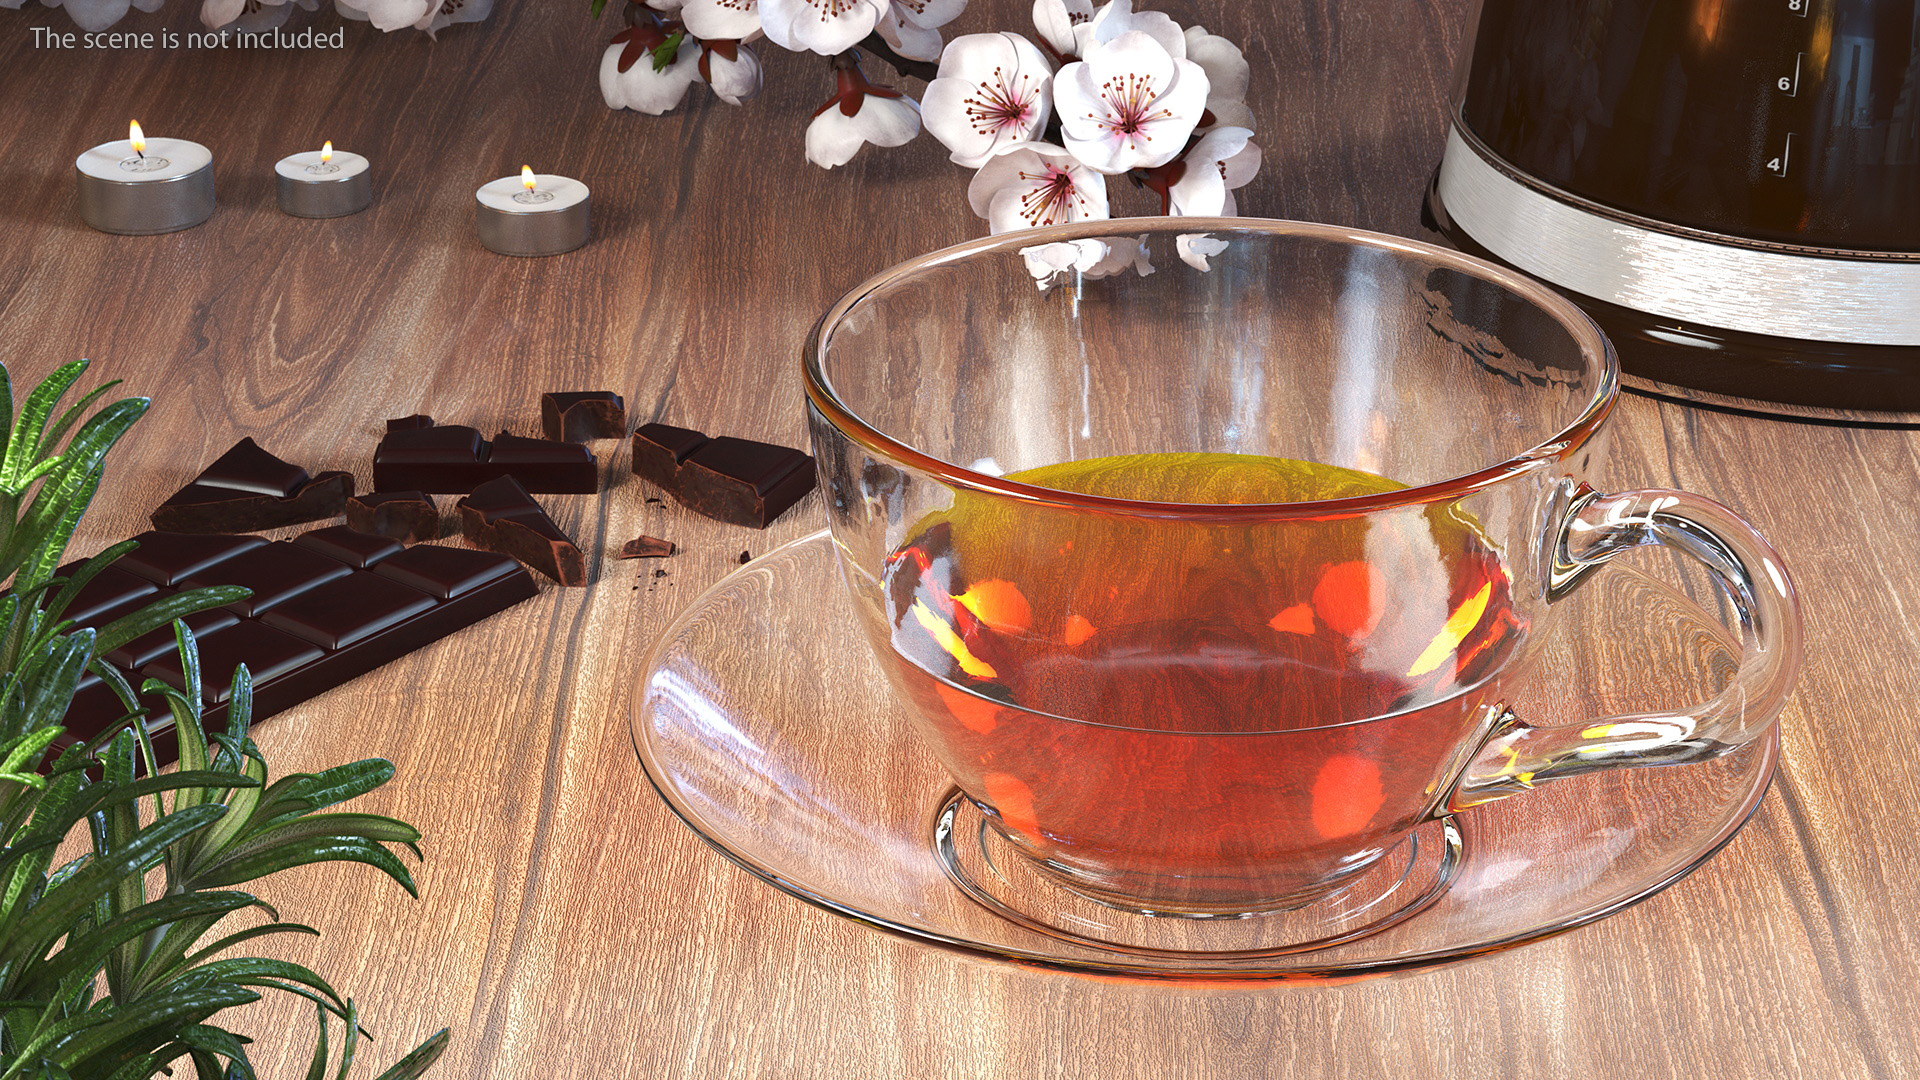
406 516
745 558
454 458
417 420
646 547
732 480
597 414
247 489
346 603
501 516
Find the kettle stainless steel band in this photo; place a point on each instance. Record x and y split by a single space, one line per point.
1855 301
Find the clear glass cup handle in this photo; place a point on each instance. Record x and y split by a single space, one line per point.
1517 756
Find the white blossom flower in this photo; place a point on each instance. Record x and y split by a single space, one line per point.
1227 77
1118 17
721 20
1130 104
1063 25
828 27
731 69
250 16
96 15
1033 184
1196 248
992 90
911 27
444 13
903 37
1222 160
859 112
386 14
628 79
668 6
1123 253
1046 262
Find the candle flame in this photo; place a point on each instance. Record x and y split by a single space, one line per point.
526 176
326 151
137 137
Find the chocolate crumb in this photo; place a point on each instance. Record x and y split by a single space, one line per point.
659 573
746 557
646 547
654 501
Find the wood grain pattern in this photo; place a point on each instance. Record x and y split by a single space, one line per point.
568 924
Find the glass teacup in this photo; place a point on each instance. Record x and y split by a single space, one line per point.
1209 586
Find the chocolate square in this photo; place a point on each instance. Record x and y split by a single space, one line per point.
156 643
444 572
247 467
267 652
112 593
167 558
276 573
346 610
357 549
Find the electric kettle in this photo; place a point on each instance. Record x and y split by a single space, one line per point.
1731 188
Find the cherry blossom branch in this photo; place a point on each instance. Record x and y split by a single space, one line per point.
924 70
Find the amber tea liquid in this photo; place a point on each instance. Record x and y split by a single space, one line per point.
1200 717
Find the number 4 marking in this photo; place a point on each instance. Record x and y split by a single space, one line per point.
1778 166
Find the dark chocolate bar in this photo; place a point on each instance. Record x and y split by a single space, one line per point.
406 516
327 606
454 458
729 479
417 420
596 414
501 516
246 489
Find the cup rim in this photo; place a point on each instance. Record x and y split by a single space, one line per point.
1578 324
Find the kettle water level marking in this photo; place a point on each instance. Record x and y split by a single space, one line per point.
1790 84
1778 165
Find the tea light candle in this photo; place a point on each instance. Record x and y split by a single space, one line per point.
144 186
532 214
324 183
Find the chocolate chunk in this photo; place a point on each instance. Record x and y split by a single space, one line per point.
729 479
453 458
501 516
417 420
246 489
658 450
646 547
406 516
360 602
745 558
596 414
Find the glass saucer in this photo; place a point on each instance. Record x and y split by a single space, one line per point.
764 722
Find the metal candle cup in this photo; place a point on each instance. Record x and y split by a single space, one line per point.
163 186
544 217
323 183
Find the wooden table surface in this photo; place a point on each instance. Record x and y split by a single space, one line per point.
569 924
